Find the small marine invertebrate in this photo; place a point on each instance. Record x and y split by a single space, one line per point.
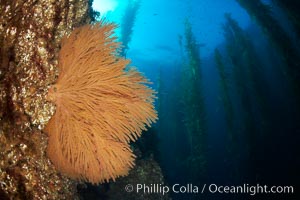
100 107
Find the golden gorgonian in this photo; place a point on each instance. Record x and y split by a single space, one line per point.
100 107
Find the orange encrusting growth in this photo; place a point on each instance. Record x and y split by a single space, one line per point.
100 107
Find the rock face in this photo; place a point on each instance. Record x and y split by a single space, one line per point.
30 35
146 172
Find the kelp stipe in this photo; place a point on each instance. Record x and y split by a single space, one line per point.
194 106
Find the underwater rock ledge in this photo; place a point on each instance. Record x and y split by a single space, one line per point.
30 38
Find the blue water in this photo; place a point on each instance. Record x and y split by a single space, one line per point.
263 93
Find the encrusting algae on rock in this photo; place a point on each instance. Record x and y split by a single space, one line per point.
30 35
100 107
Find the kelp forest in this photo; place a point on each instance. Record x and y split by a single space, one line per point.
99 98
233 116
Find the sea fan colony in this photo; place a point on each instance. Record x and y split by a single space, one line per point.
100 107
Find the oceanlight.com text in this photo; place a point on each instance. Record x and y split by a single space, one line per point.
250 189
208 188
